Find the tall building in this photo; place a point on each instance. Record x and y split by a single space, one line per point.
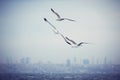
25 60
75 61
86 61
80 62
68 62
97 61
105 60
93 60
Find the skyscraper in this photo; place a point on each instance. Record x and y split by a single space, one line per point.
25 60
86 61
75 61
105 60
68 62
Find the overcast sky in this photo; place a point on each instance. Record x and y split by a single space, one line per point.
24 33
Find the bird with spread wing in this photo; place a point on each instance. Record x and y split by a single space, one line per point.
59 18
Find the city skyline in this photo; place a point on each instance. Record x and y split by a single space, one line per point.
72 61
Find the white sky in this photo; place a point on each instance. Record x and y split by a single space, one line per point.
25 34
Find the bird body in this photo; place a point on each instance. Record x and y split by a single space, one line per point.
60 19
71 40
81 43
65 39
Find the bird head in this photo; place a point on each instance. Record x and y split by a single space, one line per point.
45 19
52 10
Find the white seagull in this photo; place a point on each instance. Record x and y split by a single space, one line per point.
75 44
59 18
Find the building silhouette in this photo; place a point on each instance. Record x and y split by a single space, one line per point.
25 60
93 60
75 61
68 62
105 60
86 62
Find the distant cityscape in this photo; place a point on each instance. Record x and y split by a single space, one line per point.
85 66
72 61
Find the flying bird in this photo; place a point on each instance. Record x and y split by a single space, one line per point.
74 43
59 18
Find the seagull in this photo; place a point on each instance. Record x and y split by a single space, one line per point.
72 43
59 18
75 44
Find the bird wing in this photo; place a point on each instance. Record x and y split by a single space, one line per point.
71 40
55 13
68 19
